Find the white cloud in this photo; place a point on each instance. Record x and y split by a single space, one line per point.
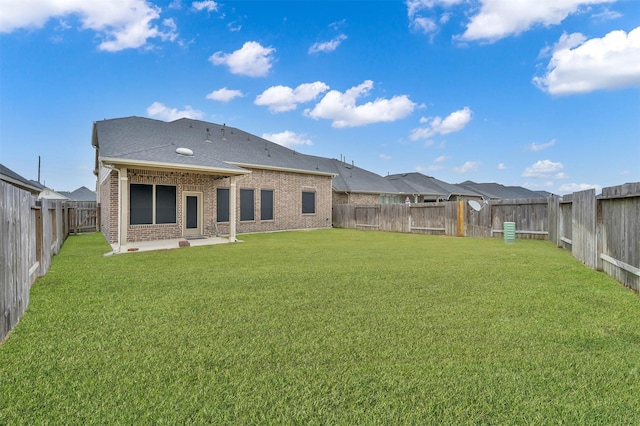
580 66
287 138
575 187
234 26
431 168
427 24
502 18
342 109
469 166
208 5
252 59
607 15
542 168
121 24
327 46
385 157
502 166
454 122
540 146
224 95
537 184
161 112
284 98
441 159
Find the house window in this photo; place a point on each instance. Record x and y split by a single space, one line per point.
222 206
165 204
266 204
152 204
308 202
246 204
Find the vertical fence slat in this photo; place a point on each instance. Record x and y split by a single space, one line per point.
32 231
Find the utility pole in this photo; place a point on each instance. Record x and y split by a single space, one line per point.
38 169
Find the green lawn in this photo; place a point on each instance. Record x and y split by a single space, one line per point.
324 327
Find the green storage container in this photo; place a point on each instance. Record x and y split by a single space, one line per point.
509 232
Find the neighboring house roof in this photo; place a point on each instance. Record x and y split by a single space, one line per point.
9 176
37 184
350 178
428 186
500 192
545 194
406 186
49 193
81 194
216 148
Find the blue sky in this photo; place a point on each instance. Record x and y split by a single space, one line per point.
538 93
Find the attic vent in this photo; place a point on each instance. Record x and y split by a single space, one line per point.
184 151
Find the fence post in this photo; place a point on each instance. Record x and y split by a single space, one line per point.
553 206
460 232
599 231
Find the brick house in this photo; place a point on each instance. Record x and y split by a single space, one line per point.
161 180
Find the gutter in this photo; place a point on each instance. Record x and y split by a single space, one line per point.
174 166
283 169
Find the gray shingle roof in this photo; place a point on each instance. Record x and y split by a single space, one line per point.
350 178
428 185
498 191
8 175
214 146
81 194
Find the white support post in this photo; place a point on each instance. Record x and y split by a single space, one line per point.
232 209
123 205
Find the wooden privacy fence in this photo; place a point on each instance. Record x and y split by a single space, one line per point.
602 232
32 231
455 218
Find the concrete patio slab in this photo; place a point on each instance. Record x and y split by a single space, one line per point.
166 244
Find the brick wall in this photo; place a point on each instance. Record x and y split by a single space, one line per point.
340 198
109 207
355 198
287 202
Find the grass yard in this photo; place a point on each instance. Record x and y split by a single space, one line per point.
324 327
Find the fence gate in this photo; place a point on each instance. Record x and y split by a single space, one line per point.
82 216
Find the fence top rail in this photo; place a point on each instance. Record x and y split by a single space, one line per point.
520 201
425 205
622 191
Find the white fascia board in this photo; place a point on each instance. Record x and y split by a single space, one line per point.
283 169
173 166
